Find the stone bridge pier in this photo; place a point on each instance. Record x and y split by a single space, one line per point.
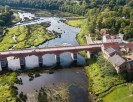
40 60
22 63
4 64
88 54
58 60
74 57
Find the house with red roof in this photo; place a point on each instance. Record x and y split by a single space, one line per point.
119 63
111 44
112 38
129 47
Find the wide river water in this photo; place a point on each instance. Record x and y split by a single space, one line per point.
74 78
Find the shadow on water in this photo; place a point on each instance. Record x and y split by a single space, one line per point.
57 85
75 94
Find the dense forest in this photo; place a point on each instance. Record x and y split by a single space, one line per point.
116 15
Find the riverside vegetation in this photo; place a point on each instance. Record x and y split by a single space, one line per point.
26 36
7 90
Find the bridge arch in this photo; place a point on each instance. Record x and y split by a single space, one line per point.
31 61
48 59
40 52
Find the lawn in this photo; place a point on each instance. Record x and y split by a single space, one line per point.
121 93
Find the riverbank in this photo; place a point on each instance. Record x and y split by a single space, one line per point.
26 36
104 83
83 29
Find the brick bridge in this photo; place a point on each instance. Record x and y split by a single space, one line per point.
21 54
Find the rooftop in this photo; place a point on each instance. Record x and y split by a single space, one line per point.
117 60
110 50
108 36
113 45
130 45
130 62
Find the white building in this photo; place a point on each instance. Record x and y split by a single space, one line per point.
107 38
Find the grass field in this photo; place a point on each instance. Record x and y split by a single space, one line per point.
123 93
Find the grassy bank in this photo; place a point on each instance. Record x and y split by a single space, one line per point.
26 36
121 93
7 92
82 23
104 83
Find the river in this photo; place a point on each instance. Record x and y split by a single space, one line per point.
73 79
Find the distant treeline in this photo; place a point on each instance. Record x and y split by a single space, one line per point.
68 6
74 6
